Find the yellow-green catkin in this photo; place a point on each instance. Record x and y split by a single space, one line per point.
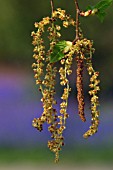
94 88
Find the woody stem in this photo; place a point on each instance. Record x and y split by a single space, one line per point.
52 5
77 20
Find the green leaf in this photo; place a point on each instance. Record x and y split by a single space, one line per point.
101 16
56 56
103 5
89 8
57 53
60 45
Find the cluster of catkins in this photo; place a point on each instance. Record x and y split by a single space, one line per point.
45 74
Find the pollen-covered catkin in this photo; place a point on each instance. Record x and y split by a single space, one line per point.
94 86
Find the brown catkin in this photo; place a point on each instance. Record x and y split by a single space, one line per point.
79 85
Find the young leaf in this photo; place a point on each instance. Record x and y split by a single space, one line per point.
89 8
99 8
56 56
68 46
57 53
101 16
61 45
103 5
59 50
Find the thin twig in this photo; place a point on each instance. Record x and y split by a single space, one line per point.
77 20
52 5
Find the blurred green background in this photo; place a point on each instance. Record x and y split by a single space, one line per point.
20 101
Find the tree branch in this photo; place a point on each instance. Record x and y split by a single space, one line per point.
52 5
77 19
